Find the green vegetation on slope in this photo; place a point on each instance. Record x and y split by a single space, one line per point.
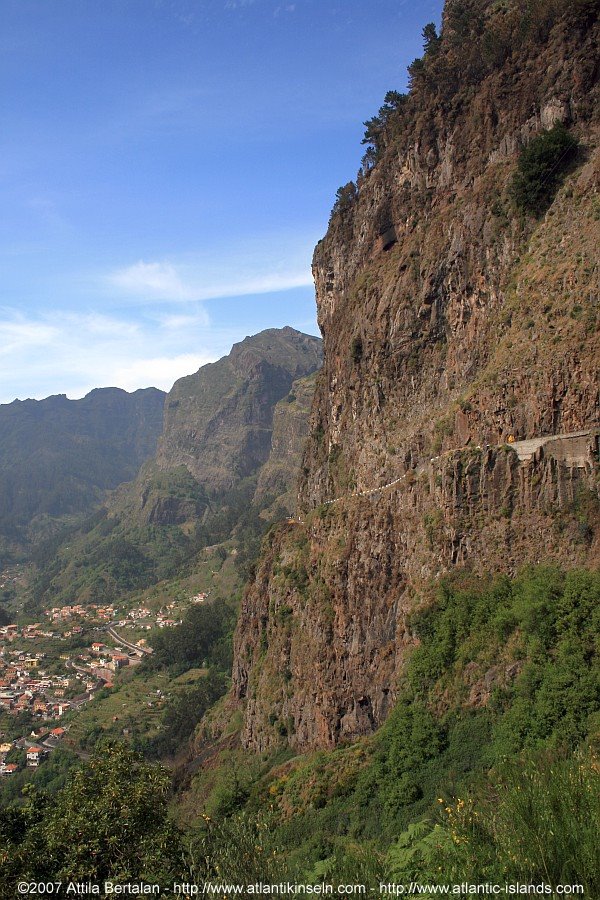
534 818
204 638
156 707
115 555
486 770
503 669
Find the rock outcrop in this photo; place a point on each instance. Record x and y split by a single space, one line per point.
453 325
224 424
219 421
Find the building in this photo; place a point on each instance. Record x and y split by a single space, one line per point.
34 756
118 661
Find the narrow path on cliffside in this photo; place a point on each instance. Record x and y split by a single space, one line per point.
524 449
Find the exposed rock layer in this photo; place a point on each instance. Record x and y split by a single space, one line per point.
464 324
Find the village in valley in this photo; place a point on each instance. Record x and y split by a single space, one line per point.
52 668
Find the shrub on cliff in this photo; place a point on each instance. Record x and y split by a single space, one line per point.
541 168
356 349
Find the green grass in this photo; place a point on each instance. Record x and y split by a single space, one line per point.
132 705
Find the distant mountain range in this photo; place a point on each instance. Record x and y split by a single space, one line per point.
58 457
226 462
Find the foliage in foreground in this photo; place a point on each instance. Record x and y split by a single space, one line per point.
497 718
110 821
535 819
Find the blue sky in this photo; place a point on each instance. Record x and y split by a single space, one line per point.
166 168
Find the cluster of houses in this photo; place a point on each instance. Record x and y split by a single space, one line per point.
8 633
36 747
92 614
106 660
25 687
76 610
145 619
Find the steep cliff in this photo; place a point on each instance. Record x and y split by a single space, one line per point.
458 320
278 477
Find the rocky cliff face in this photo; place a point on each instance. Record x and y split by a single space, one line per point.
277 481
219 422
453 325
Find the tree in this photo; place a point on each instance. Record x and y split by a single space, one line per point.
431 39
109 822
542 165
344 198
376 127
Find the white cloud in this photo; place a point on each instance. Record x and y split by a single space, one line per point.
18 334
147 325
160 371
249 270
70 352
98 324
238 4
158 280
177 322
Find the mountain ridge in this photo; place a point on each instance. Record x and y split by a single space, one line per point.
59 457
200 488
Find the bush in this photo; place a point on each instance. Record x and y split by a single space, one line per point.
356 349
541 167
109 822
536 820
